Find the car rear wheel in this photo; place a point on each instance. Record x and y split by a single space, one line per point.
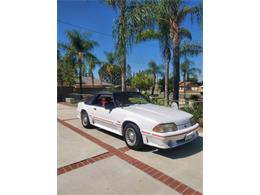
85 120
133 137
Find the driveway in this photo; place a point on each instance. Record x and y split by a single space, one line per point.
94 161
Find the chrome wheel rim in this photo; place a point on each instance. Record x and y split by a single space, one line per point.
130 136
84 119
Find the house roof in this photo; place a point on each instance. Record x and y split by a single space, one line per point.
188 84
87 82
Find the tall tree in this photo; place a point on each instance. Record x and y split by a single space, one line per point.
185 66
92 62
184 69
189 49
60 79
142 81
121 34
65 71
166 17
178 11
79 46
162 35
153 69
109 69
187 70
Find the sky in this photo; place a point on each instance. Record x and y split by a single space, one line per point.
96 17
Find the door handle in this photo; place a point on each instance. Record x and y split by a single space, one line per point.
94 109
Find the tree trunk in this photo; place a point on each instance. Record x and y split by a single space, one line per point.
80 63
176 72
184 84
100 77
92 79
61 82
154 80
80 80
123 74
122 41
176 61
166 82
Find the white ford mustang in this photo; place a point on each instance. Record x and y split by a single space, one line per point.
131 115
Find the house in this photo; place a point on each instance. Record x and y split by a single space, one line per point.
189 87
201 89
87 88
87 83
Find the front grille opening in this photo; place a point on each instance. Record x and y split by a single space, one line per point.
184 126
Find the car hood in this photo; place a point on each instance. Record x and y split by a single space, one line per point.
160 114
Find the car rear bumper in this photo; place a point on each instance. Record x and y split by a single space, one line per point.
172 139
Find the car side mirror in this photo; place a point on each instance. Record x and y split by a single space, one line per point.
109 106
174 106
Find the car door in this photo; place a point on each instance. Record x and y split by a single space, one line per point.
113 115
95 112
106 115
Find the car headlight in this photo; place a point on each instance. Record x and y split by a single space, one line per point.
164 128
193 121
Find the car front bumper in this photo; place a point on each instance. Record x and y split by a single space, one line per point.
171 139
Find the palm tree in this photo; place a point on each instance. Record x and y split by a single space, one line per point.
185 66
65 70
189 49
166 17
154 69
79 46
147 25
193 71
162 35
120 33
187 70
60 79
178 11
109 65
92 62
173 13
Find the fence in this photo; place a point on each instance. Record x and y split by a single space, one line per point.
66 92
181 102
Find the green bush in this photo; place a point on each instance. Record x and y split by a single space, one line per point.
196 109
194 97
142 81
157 100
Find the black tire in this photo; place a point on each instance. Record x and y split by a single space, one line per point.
133 137
84 119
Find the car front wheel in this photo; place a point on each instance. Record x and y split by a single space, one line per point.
133 137
85 120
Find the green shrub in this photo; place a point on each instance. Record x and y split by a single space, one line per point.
142 81
194 97
157 100
196 109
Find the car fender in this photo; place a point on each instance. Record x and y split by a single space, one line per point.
142 123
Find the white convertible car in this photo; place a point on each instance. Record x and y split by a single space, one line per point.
131 115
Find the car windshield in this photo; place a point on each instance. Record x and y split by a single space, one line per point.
126 99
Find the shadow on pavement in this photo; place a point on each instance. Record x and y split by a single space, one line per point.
183 151
109 133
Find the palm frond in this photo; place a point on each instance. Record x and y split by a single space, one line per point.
190 49
185 33
89 57
147 34
195 11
